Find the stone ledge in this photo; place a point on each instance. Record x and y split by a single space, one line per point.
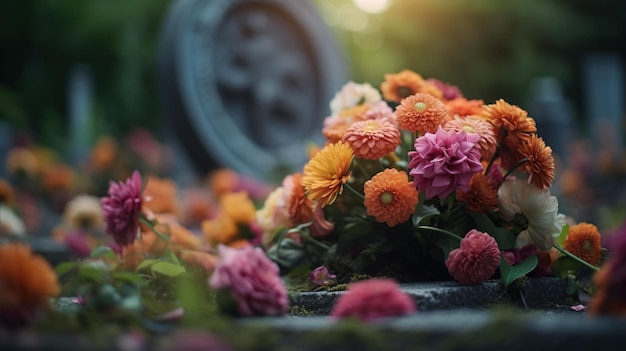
539 293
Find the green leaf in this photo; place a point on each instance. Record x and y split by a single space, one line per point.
103 252
571 287
168 269
129 277
91 273
565 266
64 268
423 213
511 273
483 223
145 264
561 238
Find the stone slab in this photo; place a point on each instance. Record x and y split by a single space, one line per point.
539 293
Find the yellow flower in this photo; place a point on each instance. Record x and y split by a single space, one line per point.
327 172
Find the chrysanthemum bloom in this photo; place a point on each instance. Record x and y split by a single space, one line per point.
299 207
273 215
321 276
122 209
253 281
481 196
532 210
372 139
474 124
6 193
398 86
335 126
443 162
448 91
373 299
390 197
476 260
327 172
517 126
161 196
463 107
27 282
58 177
380 110
353 94
421 113
84 212
540 163
584 241
103 154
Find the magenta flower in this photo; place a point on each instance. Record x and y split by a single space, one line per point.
253 280
121 209
443 162
78 245
476 260
321 276
372 299
450 92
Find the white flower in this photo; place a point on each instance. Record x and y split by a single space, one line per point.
10 223
272 215
84 212
353 94
532 208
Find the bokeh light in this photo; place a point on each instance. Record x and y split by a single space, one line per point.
372 6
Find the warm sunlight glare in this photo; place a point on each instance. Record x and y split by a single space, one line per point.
372 6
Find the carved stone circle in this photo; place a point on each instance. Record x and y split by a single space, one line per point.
246 83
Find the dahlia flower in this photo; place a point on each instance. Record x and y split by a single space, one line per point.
353 94
390 197
372 139
122 208
372 299
400 85
584 241
421 113
443 162
252 279
533 210
476 260
84 212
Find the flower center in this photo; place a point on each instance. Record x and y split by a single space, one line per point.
420 106
403 91
587 245
521 221
386 198
468 129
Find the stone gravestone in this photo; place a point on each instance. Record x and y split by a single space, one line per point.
245 84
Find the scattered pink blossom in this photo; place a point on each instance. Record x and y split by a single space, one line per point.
253 280
444 161
121 209
476 260
578 308
321 276
372 299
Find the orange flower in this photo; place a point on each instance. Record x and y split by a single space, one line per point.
220 230
336 126
6 192
540 163
26 280
223 181
481 196
58 177
477 125
390 197
583 240
421 113
511 119
335 132
607 299
103 154
372 139
401 85
161 196
299 207
464 107
238 207
327 172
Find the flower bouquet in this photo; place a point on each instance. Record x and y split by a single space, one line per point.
417 183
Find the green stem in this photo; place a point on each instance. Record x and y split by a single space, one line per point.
152 227
576 258
515 166
351 189
314 241
442 231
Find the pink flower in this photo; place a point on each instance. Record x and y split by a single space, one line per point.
372 139
450 92
121 209
253 280
78 245
373 299
476 260
320 226
321 276
443 162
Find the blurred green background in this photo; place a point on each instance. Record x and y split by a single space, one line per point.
491 49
